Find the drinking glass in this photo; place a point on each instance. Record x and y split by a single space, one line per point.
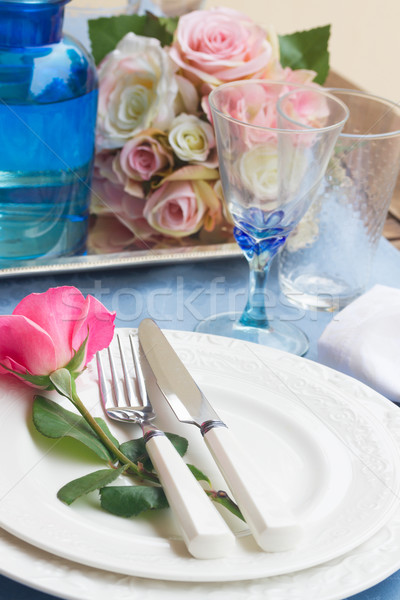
327 261
274 141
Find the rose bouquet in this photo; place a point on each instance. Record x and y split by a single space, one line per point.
156 180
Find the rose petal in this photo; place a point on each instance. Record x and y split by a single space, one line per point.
96 321
56 312
109 235
191 172
26 345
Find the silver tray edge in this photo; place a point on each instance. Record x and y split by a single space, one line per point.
136 258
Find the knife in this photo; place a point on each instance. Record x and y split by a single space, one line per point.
270 520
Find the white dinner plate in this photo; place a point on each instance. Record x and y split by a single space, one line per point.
331 457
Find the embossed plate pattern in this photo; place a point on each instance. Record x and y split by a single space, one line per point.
332 458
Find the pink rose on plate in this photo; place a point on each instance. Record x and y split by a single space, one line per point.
181 205
145 156
45 331
220 45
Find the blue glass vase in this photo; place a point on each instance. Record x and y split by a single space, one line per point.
48 104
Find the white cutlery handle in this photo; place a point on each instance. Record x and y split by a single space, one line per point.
267 515
204 531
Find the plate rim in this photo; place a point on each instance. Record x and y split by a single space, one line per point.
280 356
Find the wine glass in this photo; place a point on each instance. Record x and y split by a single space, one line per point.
274 140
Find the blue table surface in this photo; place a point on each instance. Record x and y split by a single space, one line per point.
177 297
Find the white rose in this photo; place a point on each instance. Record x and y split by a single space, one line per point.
137 90
191 138
258 170
267 175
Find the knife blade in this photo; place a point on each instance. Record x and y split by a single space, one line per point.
268 516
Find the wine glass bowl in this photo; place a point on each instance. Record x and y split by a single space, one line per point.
274 141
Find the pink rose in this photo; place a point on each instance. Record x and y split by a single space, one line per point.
253 103
144 156
220 45
111 199
175 210
104 166
182 206
108 235
46 330
303 109
299 76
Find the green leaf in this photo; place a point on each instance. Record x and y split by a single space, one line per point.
136 451
88 483
53 421
62 381
179 443
169 24
77 360
307 50
223 499
199 475
106 32
130 501
41 381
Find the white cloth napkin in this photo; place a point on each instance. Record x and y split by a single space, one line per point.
363 340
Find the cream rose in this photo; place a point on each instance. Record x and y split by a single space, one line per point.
258 170
137 90
191 139
262 170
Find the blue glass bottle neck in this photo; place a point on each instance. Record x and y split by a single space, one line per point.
27 24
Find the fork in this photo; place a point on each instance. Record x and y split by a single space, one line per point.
203 529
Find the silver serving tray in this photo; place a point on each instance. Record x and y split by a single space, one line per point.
136 258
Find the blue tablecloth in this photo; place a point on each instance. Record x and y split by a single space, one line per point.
177 297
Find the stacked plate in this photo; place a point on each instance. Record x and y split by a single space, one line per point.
329 443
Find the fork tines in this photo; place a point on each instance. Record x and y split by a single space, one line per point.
122 390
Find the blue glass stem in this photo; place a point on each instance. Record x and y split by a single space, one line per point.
255 314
